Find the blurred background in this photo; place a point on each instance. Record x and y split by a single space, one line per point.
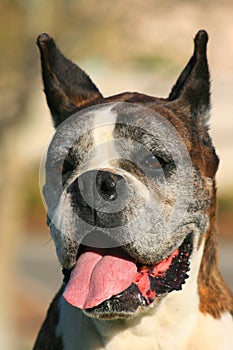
123 45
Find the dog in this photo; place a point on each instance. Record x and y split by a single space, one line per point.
131 196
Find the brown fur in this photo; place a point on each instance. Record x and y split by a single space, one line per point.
215 296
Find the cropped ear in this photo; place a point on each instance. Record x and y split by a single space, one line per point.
192 89
66 86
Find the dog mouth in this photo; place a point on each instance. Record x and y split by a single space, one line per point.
108 283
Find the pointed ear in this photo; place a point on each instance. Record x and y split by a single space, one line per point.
192 89
66 86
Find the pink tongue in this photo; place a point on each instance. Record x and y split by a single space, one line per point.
96 278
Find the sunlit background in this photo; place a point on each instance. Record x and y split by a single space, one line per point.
123 45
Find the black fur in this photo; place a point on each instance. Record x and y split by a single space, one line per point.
193 85
66 85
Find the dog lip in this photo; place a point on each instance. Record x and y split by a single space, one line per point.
120 250
151 281
129 301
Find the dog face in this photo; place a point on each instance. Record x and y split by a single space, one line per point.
123 181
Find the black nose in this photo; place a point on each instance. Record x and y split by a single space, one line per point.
106 184
92 192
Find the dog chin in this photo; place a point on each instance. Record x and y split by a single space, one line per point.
151 284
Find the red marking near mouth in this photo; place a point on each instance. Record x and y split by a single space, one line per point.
142 279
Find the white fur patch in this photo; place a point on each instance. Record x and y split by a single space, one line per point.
105 152
212 334
104 124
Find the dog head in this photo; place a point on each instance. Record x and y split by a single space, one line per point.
129 184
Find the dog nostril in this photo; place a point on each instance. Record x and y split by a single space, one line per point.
106 183
108 189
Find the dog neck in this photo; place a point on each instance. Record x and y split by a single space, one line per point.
173 320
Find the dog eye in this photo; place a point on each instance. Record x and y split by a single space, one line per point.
155 167
153 163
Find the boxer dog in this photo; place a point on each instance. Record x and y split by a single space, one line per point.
131 198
